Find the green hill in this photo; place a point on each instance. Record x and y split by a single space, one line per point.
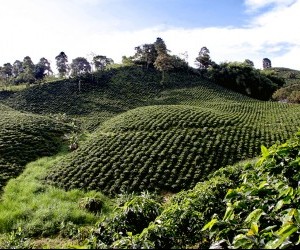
164 137
25 137
144 136
172 147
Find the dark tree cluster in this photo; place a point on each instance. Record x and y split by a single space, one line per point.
25 71
242 77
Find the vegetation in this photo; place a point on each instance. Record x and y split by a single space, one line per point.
171 147
24 138
245 79
147 154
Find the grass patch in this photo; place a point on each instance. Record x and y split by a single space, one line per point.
42 210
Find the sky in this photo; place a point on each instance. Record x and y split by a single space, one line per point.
232 30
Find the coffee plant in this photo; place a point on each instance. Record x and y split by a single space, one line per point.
25 137
172 147
263 211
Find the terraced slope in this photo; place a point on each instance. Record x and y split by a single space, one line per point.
25 137
172 147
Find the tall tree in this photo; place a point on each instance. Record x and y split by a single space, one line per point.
80 66
163 63
62 64
160 46
17 68
203 60
7 70
28 70
101 62
266 63
163 60
249 62
42 68
145 54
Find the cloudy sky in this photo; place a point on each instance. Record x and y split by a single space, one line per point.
233 30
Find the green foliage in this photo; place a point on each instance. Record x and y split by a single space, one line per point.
290 93
128 220
179 224
41 210
290 76
243 78
15 240
172 147
24 138
263 211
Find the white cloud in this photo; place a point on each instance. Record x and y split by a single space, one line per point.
45 28
257 4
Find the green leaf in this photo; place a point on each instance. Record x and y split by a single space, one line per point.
229 214
297 216
283 234
209 225
279 205
264 151
242 241
253 230
231 194
263 184
267 229
254 216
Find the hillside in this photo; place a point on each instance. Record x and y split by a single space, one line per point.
172 147
164 138
25 137
141 136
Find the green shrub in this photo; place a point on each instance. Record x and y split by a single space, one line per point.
263 211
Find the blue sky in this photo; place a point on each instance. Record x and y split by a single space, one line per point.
233 30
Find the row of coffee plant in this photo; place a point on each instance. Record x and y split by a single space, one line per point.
25 137
253 205
173 147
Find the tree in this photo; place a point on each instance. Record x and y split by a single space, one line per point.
163 63
62 64
178 63
42 69
127 60
203 60
160 46
146 54
80 66
101 62
17 68
28 70
249 62
266 63
6 70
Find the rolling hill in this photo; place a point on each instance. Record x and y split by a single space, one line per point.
142 136
154 137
